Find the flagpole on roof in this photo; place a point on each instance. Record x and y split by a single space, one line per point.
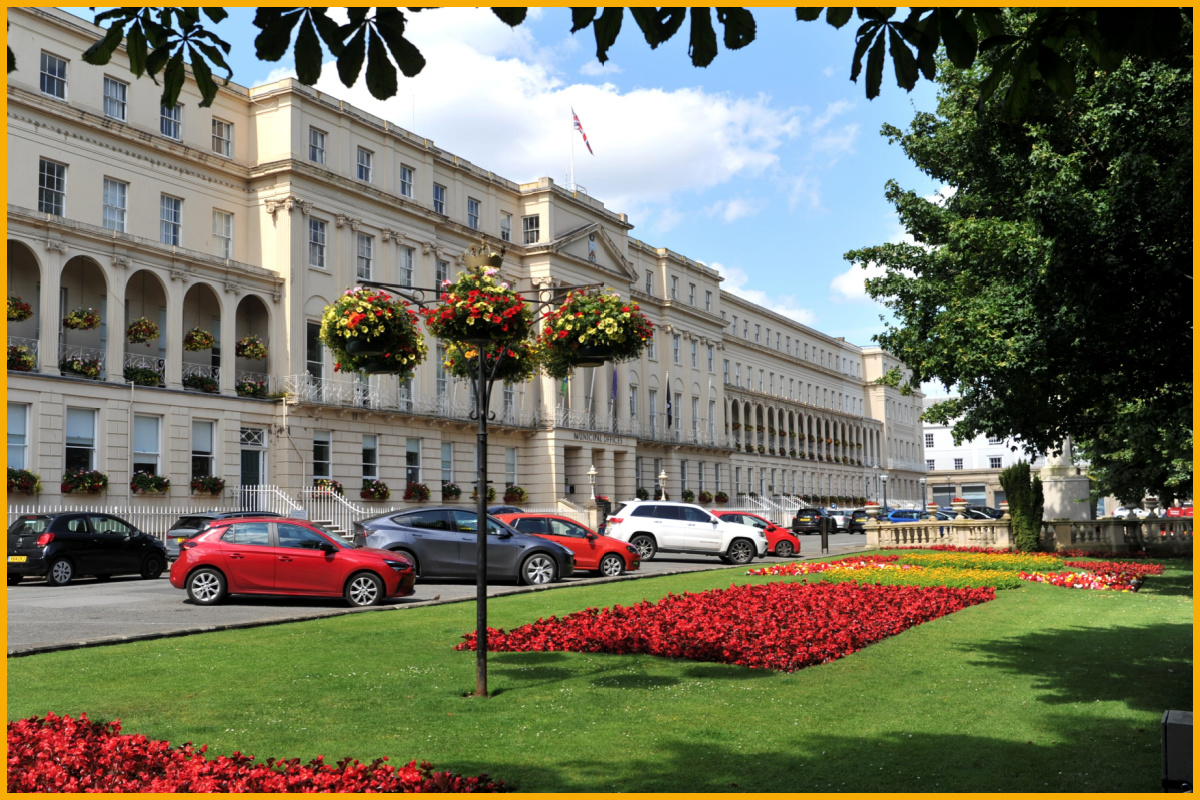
571 187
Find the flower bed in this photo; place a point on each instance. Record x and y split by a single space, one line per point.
1113 581
812 567
62 754
949 548
1117 566
993 560
782 626
908 575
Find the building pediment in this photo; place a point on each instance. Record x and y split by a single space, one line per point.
592 243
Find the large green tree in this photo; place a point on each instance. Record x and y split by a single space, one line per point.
1051 285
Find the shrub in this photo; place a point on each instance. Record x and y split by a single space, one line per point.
208 484
416 493
201 383
329 485
373 489
143 376
149 483
84 482
22 481
1024 505
515 494
641 494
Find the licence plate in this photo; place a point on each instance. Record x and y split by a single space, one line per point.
181 539
16 559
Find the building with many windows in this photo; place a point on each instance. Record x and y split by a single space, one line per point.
244 220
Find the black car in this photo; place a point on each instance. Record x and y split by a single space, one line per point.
808 520
505 510
61 547
857 521
441 542
190 525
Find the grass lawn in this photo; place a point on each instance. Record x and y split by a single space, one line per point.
1042 689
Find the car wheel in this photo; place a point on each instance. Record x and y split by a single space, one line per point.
645 545
206 587
152 567
412 560
61 572
364 589
538 569
13 580
612 565
741 551
784 550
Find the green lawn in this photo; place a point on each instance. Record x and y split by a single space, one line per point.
1043 689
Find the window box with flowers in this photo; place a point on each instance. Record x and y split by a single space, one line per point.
592 326
641 494
198 339
149 483
761 449
491 494
143 376
688 496
18 309
761 429
371 331
416 493
476 307
518 362
208 484
248 387
792 452
23 481
328 485
81 366
21 358
201 383
737 426
451 490
771 431
705 496
251 347
373 489
516 494
82 319
141 330
84 482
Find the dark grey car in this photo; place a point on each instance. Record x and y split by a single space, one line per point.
189 525
441 542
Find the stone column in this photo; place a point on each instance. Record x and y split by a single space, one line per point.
228 374
173 369
114 315
49 310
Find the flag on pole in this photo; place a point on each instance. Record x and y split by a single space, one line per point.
578 127
670 405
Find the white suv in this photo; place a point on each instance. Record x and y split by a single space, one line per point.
653 526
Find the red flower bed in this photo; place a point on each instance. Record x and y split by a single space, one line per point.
1114 581
782 626
1076 553
61 754
808 568
951 548
1117 566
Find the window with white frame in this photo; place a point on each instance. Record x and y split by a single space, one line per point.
929 440
737 480
407 257
370 456
406 180
222 137
170 220
203 440
708 301
447 462
440 371
170 121
725 370
52 187
316 145
506 227
674 287
958 463
651 351
441 271
677 414
314 353
737 375
412 460
712 419
365 255
365 162
53 78
316 242
745 329
757 331
683 474
222 234
322 454
929 464
695 416
652 408
510 466
710 352
995 440
695 346
691 294
116 195
633 392
675 340
472 213
733 328
80 450
18 436
994 462
650 281
530 229
146 443
717 477
115 94
439 199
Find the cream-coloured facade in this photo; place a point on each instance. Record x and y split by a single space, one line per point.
247 218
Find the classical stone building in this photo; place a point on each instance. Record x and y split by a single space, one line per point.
249 217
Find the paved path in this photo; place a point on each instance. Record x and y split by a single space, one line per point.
87 613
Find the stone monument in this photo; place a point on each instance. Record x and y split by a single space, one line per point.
1066 488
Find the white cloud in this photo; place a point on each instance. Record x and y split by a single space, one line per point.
827 72
851 284
804 189
735 209
787 305
593 68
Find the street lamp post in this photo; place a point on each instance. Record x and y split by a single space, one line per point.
662 484
923 502
591 473
883 480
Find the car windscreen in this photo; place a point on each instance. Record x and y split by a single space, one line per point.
31 524
190 523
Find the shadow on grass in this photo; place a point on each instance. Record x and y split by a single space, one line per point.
1168 585
1140 666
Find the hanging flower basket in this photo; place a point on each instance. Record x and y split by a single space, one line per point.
198 339
21 358
478 308
517 362
373 489
148 483
18 309
372 331
82 319
251 347
201 383
451 491
328 485
248 387
208 484
416 493
141 330
84 482
78 365
22 481
515 494
590 327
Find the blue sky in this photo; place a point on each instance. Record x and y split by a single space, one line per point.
768 164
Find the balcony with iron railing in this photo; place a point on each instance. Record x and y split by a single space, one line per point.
22 354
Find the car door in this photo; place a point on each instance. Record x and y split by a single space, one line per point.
503 553
702 534
249 557
120 547
301 566
670 528
574 537
434 539
75 540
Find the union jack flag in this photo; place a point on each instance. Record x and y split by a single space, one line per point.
579 128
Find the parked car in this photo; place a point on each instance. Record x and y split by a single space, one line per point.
505 510
603 554
1125 511
841 519
284 556
808 520
857 521
987 511
780 542
664 527
61 547
441 542
189 525
906 515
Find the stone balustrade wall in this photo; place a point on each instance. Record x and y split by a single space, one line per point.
1164 536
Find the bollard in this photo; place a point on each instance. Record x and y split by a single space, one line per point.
824 535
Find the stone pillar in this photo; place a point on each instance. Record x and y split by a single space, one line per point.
49 310
1066 488
606 479
624 475
228 341
114 315
173 369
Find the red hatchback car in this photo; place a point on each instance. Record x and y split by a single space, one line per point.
249 555
780 541
608 556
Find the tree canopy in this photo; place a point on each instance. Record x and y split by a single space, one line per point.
1050 285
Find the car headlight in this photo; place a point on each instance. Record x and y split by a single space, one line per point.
399 566
631 549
